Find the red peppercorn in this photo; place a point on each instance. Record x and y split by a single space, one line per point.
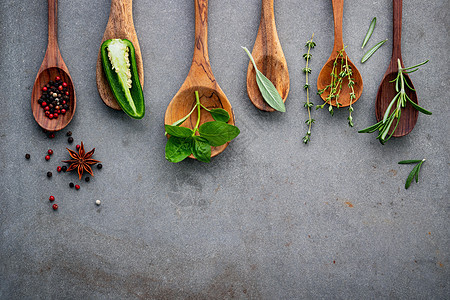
67 93
60 87
51 135
64 84
50 116
64 102
46 108
50 151
78 147
51 198
63 111
44 88
58 169
44 104
57 78
47 112
55 206
47 157
55 115
77 187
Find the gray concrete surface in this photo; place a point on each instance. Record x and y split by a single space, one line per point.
270 218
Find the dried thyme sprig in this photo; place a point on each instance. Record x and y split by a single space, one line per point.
309 44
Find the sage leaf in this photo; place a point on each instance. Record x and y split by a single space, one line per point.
369 32
201 149
372 51
268 91
220 114
178 131
177 149
218 133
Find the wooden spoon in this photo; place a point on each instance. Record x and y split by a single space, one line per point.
120 26
269 58
201 79
51 67
386 91
324 78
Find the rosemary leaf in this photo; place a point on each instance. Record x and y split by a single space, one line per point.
369 32
411 176
372 51
411 161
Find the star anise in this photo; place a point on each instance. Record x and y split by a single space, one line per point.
81 160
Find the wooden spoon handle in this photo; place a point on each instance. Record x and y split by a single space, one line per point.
200 59
52 23
338 12
267 15
121 17
397 31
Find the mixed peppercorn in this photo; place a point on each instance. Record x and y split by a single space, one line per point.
55 98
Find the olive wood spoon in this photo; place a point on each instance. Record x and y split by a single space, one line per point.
200 78
324 78
120 26
386 91
51 67
269 59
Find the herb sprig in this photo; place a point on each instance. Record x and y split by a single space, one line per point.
399 101
414 174
340 70
198 141
307 70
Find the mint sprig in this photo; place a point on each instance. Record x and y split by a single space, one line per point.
198 141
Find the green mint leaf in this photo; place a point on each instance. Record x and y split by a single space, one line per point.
201 149
177 149
369 32
218 133
267 89
220 114
178 131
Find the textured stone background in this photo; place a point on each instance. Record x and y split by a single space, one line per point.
269 218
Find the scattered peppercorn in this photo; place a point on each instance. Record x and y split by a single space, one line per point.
51 135
97 202
58 169
70 140
71 185
55 206
50 151
51 198
27 156
78 147
49 174
87 179
77 187
69 133
99 166
64 168
47 157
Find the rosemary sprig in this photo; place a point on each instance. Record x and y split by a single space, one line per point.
415 171
399 101
310 45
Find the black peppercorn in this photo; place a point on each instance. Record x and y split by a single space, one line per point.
71 185
49 174
70 140
69 133
87 179
27 156
99 166
64 168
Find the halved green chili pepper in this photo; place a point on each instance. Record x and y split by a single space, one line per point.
119 64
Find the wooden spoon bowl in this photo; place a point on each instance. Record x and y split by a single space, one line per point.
324 78
386 90
201 79
51 67
269 59
42 79
120 26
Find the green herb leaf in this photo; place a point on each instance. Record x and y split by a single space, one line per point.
266 87
411 161
178 131
201 149
218 133
177 149
411 177
419 108
372 51
220 114
369 32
